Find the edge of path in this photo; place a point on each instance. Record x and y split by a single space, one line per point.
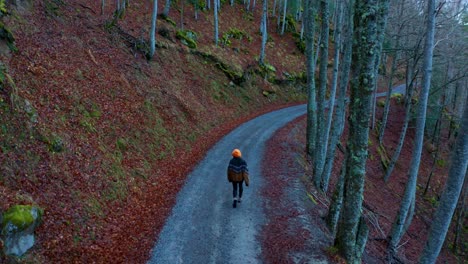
178 180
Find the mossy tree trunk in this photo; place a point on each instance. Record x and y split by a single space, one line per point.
352 230
337 202
410 189
320 147
311 103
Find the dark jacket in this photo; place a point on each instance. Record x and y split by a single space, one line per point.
237 171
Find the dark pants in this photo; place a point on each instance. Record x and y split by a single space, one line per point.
234 188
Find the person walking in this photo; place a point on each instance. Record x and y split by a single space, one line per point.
237 173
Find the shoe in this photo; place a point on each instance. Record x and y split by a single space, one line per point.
239 200
234 203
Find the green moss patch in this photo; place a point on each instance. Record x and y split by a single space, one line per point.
21 216
383 157
398 97
7 36
188 38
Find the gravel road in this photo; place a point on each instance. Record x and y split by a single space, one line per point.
203 226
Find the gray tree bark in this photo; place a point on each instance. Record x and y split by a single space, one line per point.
167 7
339 115
396 46
215 11
337 201
264 32
102 6
351 233
410 189
448 201
401 141
274 8
311 101
284 16
320 147
383 12
153 29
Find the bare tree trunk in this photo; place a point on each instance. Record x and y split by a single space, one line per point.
317 50
102 6
401 141
264 32
215 10
380 35
284 16
461 216
153 29
410 189
167 7
337 201
274 8
320 147
448 201
182 15
339 116
436 156
352 230
311 103
302 30
336 64
373 106
410 84
389 95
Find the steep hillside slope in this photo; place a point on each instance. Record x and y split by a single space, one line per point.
101 138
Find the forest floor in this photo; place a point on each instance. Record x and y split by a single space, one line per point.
286 236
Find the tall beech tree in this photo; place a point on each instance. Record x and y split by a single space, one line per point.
153 29
383 12
409 94
404 215
263 29
336 63
352 230
320 148
448 201
285 9
336 124
396 46
166 8
310 67
215 13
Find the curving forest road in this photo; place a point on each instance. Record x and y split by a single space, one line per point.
203 227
